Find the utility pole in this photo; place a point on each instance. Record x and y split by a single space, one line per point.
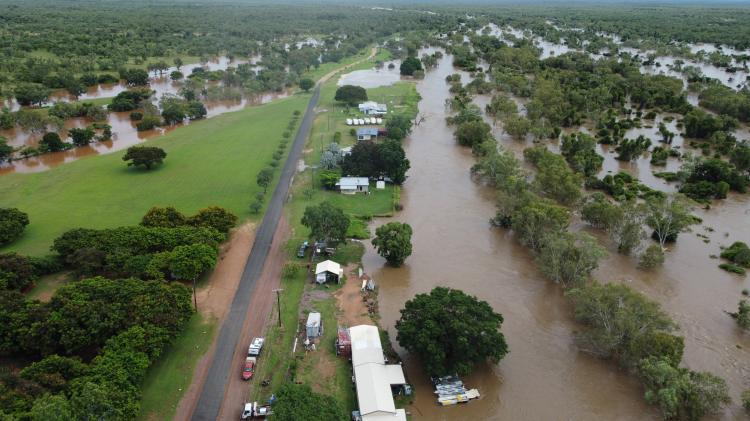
278 302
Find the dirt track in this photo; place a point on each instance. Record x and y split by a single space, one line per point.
258 314
214 300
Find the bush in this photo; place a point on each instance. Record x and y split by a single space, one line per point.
214 217
12 224
136 116
167 217
738 253
731 267
652 258
148 122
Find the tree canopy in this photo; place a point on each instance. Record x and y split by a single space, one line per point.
393 242
451 331
144 156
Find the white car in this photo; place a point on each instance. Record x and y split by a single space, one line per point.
255 347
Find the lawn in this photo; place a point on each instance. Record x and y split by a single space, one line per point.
209 162
169 377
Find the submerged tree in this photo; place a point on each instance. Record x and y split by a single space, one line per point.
450 331
393 242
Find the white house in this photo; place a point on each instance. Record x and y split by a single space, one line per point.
328 270
373 108
352 185
373 377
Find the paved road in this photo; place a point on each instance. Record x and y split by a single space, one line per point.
211 397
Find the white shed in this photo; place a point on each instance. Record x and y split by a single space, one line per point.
314 326
327 270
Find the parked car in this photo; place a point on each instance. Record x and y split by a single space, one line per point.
302 249
255 347
249 368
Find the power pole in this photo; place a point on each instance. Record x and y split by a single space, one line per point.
278 302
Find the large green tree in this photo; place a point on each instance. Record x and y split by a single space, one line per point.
393 242
351 94
326 222
144 156
451 331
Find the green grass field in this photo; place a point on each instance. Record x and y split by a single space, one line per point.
209 162
169 377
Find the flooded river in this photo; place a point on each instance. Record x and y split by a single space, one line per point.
544 376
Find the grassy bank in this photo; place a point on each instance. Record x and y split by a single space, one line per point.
209 162
170 376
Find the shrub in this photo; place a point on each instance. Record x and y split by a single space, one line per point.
738 253
652 258
136 116
12 224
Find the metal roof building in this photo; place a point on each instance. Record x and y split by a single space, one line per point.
322 270
353 184
374 377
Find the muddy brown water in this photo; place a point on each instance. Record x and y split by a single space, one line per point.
123 129
545 376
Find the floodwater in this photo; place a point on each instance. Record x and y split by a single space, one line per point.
373 78
124 133
545 376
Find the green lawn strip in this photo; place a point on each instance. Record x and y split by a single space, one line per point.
273 363
209 162
169 377
339 384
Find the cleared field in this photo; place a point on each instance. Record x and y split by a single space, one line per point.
209 162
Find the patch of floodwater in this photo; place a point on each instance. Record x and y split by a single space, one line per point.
374 77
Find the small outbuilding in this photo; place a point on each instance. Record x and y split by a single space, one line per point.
328 271
314 326
380 184
352 185
367 133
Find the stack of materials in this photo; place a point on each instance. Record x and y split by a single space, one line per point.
451 391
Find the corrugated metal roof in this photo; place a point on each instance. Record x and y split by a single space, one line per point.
371 131
373 377
313 319
328 266
353 182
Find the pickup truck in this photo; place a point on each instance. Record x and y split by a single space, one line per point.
253 410
248 369
255 347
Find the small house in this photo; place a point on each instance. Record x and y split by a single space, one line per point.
314 326
373 108
352 185
367 133
328 271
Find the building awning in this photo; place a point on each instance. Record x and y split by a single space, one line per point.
328 266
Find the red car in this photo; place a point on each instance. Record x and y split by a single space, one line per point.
248 369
